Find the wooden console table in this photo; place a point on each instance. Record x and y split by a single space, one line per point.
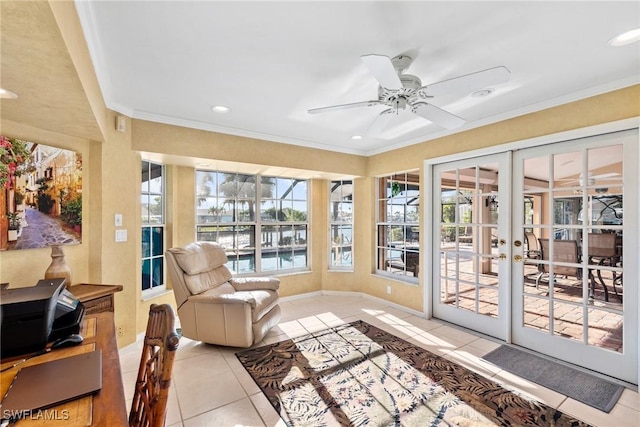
96 298
105 408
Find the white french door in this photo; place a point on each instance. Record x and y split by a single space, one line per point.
570 297
471 250
529 245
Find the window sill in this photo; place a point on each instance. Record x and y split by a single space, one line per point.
274 273
291 273
407 280
149 294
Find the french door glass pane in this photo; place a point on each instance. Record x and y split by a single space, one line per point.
469 239
573 228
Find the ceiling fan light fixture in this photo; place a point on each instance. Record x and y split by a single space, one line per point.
400 103
7 94
221 109
404 92
482 93
625 38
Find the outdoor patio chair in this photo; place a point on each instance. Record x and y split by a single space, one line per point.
564 251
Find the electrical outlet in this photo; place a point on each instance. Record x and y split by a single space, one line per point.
120 331
389 289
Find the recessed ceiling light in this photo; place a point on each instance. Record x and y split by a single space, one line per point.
220 109
482 93
356 137
626 38
7 94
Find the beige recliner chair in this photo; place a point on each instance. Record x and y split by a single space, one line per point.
216 308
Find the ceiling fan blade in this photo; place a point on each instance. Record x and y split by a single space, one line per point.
438 115
467 83
606 175
380 123
579 180
343 107
382 69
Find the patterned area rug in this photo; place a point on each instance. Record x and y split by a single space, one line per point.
358 375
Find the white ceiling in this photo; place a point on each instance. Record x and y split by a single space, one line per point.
170 61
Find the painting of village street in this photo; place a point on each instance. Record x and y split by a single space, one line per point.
40 195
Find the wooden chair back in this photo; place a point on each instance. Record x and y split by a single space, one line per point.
149 405
563 251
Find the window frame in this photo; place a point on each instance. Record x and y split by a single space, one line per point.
147 227
409 188
336 244
291 232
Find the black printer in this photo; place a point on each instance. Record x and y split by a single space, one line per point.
33 316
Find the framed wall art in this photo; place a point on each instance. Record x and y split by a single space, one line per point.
40 195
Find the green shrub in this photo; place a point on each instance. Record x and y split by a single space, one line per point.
71 211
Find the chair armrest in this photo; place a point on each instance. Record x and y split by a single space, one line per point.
255 283
223 299
533 254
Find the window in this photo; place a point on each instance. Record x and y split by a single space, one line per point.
398 236
152 195
261 221
341 225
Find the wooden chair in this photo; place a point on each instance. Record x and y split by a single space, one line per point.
149 404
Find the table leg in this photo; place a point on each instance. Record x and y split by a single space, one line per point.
604 286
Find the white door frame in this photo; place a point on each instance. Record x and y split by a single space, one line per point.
489 325
427 202
573 351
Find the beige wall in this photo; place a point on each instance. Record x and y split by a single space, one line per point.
183 142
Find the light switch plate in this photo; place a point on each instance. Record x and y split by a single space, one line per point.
118 220
121 235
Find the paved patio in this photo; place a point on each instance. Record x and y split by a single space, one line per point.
604 319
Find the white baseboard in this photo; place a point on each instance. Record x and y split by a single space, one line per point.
354 294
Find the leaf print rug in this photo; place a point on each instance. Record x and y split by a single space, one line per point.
358 375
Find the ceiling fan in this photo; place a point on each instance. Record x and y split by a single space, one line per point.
399 91
591 179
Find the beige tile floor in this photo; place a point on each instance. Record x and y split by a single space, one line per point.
211 388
